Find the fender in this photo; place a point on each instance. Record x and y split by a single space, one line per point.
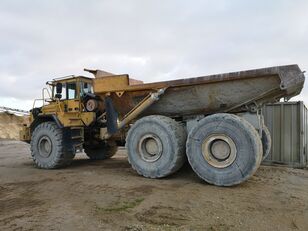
44 118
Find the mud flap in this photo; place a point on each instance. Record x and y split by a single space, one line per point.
111 115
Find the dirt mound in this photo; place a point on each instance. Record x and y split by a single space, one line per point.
10 125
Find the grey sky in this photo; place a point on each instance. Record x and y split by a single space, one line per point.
150 40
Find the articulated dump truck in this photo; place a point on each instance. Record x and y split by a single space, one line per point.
215 122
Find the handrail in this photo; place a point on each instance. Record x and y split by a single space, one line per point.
43 97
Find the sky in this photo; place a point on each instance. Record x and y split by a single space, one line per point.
150 40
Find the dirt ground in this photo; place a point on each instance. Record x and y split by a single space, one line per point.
109 195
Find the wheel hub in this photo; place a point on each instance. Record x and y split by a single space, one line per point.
219 150
150 148
45 146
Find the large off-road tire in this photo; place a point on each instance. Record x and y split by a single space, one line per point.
156 146
224 149
51 146
266 142
102 152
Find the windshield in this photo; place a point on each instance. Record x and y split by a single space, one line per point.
86 88
63 94
71 90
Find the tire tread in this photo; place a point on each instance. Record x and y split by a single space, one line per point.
63 157
178 139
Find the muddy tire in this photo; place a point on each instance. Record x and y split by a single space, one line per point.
156 146
224 149
266 142
51 146
102 152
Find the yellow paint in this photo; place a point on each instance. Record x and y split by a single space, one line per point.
70 112
111 83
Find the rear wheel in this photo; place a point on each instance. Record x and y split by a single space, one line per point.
266 142
224 149
156 146
51 146
101 152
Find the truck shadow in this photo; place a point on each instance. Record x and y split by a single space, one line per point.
120 165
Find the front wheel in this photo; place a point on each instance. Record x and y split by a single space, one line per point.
51 146
224 149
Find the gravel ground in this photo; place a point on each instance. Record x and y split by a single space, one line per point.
109 195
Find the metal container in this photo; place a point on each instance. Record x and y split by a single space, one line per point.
288 125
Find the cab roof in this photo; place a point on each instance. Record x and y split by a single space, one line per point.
71 77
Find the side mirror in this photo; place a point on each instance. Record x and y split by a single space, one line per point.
59 88
58 96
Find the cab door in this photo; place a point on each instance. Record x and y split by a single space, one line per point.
72 103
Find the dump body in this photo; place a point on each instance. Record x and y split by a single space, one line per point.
205 95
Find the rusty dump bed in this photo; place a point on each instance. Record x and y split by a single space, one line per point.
207 94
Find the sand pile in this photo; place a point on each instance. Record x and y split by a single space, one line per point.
10 125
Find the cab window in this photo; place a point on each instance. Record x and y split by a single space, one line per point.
63 94
86 88
71 90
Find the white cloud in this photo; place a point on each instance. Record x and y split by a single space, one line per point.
16 103
150 40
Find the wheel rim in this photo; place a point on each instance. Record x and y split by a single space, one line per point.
45 146
150 148
219 150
